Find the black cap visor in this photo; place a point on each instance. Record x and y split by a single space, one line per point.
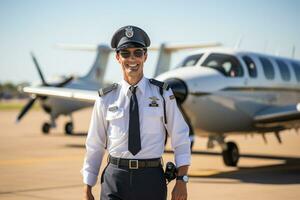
131 45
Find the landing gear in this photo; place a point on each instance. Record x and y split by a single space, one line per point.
46 128
231 154
69 128
230 151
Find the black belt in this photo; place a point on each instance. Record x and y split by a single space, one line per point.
135 163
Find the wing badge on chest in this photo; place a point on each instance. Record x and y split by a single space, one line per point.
153 102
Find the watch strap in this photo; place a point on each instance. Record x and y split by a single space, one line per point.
182 178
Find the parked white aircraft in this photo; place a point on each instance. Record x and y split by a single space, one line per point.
54 106
92 81
222 92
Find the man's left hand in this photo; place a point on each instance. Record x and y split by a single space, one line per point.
179 191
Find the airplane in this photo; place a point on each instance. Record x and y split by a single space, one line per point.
54 106
92 81
226 91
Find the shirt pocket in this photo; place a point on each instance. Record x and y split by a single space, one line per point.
152 120
116 119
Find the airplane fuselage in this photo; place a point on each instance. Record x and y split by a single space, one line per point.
221 101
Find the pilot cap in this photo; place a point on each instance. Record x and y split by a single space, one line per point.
129 36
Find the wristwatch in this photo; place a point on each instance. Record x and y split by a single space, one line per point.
183 178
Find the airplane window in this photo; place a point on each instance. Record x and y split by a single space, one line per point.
284 70
226 64
190 60
296 68
251 66
268 68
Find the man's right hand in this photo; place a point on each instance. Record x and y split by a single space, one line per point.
87 193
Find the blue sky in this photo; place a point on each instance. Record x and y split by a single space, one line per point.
32 25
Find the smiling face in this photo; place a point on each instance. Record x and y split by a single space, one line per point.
132 62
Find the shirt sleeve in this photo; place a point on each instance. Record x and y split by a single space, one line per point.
95 145
178 130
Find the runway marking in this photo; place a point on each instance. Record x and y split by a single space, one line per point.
27 161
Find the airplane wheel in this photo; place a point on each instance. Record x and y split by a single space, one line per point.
46 128
69 128
231 155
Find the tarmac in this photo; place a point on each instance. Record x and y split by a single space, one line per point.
36 166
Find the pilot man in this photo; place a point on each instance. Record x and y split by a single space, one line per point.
130 120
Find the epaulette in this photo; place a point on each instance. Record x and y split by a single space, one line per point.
160 84
104 91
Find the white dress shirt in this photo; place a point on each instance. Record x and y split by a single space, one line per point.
110 121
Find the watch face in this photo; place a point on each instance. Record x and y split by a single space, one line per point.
185 178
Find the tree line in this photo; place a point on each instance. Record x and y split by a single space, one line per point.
9 90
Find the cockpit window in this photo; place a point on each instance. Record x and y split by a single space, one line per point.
190 60
226 64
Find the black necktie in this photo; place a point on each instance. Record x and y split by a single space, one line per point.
134 138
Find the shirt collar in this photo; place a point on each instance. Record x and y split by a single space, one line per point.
141 85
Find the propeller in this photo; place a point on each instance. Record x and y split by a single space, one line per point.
180 91
36 64
26 108
32 99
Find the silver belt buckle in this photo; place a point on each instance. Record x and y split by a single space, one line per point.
133 164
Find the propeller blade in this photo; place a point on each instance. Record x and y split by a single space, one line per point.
26 108
39 69
67 80
179 89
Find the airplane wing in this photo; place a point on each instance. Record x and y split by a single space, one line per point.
277 115
66 93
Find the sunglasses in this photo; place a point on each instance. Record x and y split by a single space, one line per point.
138 53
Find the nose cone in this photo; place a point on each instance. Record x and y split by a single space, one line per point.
179 88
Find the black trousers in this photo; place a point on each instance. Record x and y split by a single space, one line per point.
133 184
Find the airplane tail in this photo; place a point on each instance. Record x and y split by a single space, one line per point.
163 61
165 52
97 71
